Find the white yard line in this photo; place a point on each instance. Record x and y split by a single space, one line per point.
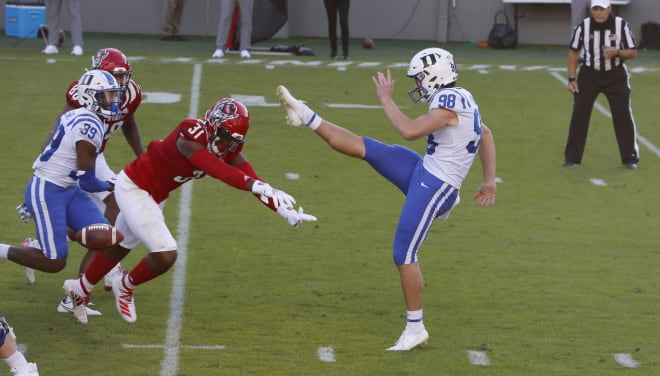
626 360
478 358
170 363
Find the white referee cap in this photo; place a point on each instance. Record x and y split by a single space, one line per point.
600 3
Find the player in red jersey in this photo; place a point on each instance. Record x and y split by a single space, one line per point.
115 62
195 148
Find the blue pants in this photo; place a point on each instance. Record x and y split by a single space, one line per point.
54 209
427 197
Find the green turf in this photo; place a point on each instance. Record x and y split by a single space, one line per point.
553 280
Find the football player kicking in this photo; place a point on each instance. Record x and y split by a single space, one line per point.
454 134
16 361
196 147
115 62
55 195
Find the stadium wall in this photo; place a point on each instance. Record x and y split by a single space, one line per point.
436 20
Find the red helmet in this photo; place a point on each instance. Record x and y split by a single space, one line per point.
227 122
115 62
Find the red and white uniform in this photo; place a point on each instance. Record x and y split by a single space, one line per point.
144 184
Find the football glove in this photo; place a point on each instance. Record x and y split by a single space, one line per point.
280 198
24 213
294 217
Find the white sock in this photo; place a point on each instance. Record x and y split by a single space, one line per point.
415 322
86 283
4 249
314 122
15 360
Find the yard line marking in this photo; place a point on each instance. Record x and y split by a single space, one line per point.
626 360
161 346
326 354
170 364
604 111
478 358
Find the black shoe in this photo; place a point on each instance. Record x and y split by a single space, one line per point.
569 164
173 38
631 166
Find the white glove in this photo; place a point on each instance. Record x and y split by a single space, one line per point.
280 198
24 213
294 217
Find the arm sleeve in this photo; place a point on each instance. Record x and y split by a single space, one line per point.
90 183
212 166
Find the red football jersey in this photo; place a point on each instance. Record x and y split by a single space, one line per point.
162 168
132 99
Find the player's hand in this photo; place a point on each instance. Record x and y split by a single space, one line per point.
280 198
485 195
24 213
294 217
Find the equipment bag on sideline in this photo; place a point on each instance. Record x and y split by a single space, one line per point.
650 35
502 35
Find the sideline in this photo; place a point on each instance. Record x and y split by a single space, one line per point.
170 363
642 140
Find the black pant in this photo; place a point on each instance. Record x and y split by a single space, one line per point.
332 7
615 86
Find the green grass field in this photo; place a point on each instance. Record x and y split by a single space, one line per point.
555 279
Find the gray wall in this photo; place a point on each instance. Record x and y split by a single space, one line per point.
437 20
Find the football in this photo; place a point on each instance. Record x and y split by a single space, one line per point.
368 43
99 236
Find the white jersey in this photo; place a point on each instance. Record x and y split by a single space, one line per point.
57 163
451 150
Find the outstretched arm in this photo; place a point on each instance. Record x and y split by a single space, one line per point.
485 195
131 132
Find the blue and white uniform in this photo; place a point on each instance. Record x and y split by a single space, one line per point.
431 183
53 195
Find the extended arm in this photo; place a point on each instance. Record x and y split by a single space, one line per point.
485 195
131 132
409 129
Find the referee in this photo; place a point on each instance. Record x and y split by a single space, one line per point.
601 43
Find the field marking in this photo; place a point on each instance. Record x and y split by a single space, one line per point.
626 360
478 358
326 354
170 363
162 346
642 140
598 182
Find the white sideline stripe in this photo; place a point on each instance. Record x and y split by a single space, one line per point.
478 358
157 346
170 363
626 360
642 140
326 354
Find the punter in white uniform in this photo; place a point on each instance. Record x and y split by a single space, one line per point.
55 196
454 134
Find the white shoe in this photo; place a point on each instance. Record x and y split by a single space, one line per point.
27 369
218 54
50 50
124 300
115 272
30 274
245 54
79 299
297 113
77 51
409 341
66 306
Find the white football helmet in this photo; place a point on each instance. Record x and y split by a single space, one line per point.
100 93
432 69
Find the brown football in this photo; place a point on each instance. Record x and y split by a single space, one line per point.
99 236
368 43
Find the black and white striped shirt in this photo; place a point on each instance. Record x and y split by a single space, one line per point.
590 37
